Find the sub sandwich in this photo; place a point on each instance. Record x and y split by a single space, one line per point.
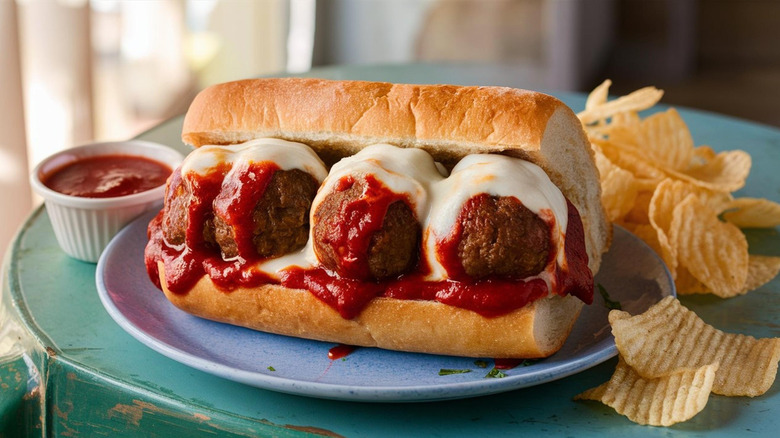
429 218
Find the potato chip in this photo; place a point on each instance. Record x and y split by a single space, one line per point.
668 337
631 160
618 188
628 119
761 270
662 401
687 284
639 212
753 213
639 100
665 138
667 196
671 193
660 148
726 172
702 155
647 233
598 96
715 252
624 137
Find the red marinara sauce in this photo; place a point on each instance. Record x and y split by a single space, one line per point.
489 297
234 197
107 176
358 220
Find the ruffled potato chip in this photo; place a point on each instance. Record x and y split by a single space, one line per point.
761 270
753 213
667 196
639 211
628 119
630 158
666 140
662 401
618 187
687 284
669 337
669 193
639 100
715 252
702 155
598 96
659 152
726 172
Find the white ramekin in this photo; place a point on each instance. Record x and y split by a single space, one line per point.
84 226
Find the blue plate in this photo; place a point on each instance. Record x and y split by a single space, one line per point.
631 272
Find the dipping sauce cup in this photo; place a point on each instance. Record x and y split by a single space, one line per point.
92 191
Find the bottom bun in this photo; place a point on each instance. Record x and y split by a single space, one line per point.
536 330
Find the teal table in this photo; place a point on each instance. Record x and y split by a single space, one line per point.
67 369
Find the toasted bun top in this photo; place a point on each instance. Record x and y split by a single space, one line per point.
339 118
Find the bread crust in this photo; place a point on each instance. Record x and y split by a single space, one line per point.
339 118
536 330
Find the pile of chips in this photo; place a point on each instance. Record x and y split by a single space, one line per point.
670 361
677 197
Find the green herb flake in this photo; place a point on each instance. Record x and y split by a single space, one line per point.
481 363
608 303
449 371
495 373
271 368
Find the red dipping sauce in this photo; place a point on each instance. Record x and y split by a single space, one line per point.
107 176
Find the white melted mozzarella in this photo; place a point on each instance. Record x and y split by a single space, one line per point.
495 175
437 198
287 155
406 171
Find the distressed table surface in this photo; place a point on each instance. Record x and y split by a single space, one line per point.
66 369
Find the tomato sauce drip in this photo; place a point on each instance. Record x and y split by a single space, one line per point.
347 296
575 279
241 190
489 297
199 257
507 364
341 351
351 230
107 176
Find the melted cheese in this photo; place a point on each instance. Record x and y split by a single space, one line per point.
287 155
403 171
437 198
496 175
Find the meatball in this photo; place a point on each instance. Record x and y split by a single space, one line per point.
502 238
280 219
176 213
384 252
394 248
176 202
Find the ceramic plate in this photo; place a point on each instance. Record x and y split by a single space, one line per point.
631 273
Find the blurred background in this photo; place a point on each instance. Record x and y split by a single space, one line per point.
75 71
